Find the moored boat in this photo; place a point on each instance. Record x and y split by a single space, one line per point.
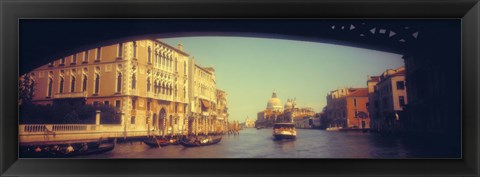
64 154
200 142
155 142
334 128
284 131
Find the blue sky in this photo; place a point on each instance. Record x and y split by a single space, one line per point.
249 69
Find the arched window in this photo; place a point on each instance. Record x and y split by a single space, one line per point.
134 49
162 60
184 67
85 56
62 82
50 84
99 54
176 65
32 85
156 58
149 56
164 88
134 81
84 85
175 91
155 87
74 58
148 84
72 84
97 83
62 61
119 82
120 50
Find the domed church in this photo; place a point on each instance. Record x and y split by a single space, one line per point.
277 112
274 103
291 103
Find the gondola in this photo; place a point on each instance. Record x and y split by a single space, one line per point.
62 154
154 142
202 142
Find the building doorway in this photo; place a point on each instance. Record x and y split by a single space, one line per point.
161 122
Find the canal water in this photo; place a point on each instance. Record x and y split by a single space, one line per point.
310 143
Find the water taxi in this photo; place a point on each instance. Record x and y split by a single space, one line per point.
284 131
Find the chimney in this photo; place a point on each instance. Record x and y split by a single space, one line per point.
180 47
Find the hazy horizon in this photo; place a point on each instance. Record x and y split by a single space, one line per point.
249 69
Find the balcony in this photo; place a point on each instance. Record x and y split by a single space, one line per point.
71 95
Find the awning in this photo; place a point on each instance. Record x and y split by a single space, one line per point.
205 104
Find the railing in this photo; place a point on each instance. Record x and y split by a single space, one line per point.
33 128
70 127
71 95
56 133
65 128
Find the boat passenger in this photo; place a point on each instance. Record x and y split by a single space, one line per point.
84 147
69 149
38 149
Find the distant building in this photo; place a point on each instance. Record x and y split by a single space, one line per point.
388 97
373 105
307 122
335 110
222 110
249 123
203 99
357 113
346 108
275 112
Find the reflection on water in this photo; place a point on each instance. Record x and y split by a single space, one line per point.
253 143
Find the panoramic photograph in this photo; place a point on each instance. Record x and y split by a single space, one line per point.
357 89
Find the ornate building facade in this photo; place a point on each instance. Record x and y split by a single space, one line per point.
388 97
154 85
222 111
203 99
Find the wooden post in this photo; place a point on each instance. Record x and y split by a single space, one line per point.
97 117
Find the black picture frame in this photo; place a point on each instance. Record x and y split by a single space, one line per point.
467 10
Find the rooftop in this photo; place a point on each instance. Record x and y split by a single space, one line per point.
174 48
359 92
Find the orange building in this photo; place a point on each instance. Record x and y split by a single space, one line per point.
347 108
357 113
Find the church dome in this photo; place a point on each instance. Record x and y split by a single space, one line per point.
289 104
274 103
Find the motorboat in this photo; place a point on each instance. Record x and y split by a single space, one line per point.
284 131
